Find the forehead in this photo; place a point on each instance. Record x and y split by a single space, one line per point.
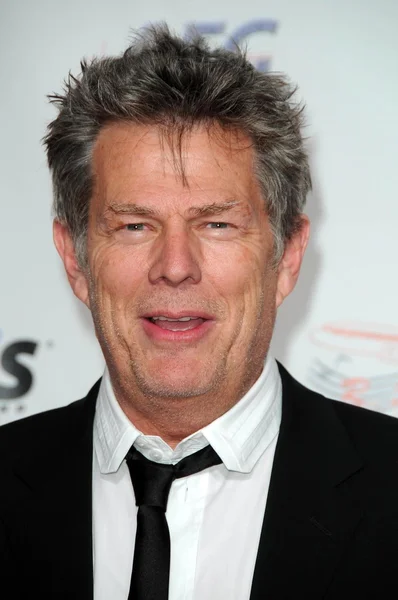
132 159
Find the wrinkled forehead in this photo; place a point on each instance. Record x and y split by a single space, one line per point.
182 148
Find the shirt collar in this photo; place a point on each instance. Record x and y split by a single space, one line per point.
240 436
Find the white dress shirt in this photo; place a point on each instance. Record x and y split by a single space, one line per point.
214 516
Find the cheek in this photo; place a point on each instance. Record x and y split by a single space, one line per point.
244 281
117 275
260 293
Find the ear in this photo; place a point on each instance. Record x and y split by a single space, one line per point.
289 266
76 276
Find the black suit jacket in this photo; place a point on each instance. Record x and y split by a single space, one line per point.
330 528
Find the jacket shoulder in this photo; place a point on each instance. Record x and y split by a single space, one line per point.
367 429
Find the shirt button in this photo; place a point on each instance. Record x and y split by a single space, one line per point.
140 443
156 455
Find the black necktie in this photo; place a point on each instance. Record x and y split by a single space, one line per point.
152 482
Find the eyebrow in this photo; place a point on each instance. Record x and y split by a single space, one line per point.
130 208
215 208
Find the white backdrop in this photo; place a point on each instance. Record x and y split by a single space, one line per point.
338 332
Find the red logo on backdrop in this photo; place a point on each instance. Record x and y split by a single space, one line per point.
358 363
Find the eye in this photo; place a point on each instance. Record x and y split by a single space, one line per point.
220 230
217 225
135 227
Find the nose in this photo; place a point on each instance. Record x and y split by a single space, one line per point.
176 258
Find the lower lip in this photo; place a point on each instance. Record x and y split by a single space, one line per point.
156 333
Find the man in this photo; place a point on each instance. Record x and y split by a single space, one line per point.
179 178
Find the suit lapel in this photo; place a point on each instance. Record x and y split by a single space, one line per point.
58 501
309 515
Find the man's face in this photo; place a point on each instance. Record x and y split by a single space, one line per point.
181 283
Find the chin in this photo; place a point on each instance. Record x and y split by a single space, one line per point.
177 375
174 385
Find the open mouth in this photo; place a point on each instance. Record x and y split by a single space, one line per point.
180 324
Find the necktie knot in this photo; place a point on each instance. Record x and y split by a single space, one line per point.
152 481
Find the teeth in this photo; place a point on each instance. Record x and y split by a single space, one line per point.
168 319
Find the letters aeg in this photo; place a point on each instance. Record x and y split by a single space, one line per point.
237 36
